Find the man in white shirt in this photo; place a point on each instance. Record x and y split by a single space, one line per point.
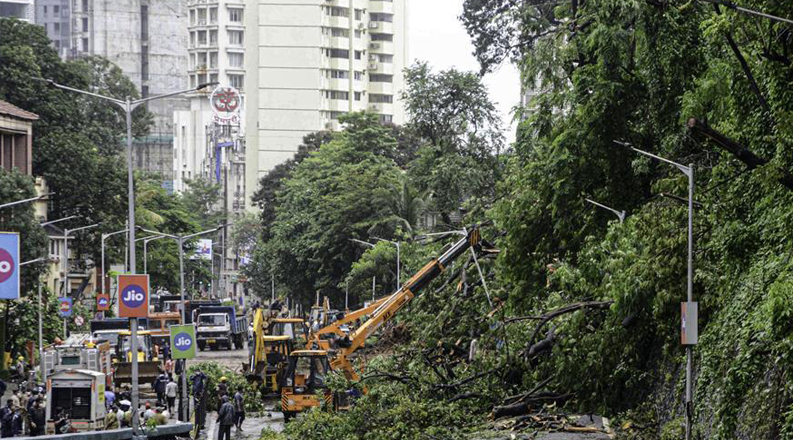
170 394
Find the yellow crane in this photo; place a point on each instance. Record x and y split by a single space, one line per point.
306 370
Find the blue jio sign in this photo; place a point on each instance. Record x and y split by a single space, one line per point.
183 342
133 296
9 265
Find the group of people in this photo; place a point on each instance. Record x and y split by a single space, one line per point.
23 414
119 406
231 411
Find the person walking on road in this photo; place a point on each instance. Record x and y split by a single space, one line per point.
38 419
111 419
159 388
170 394
239 409
225 419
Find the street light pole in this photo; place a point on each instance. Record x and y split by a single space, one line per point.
620 214
67 288
180 239
105 237
396 243
371 245
19 202
41 326
689 172
145 254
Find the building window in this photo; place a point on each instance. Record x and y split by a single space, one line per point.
337 94
202 17
380 78
45 10
213 77
338 32
192 17
359 14
387 99
235 15
376 16
236 81
357 96
340 53
333 11
385 119
144 91
57 45
338 74
56 27
202 60
236 38
213 38
213 60
336 114
192 39
236 60
358 33
386 58
85 5
358 54
202 38
85 44
359 76
382 37
213 15
144 62
192 61
56 10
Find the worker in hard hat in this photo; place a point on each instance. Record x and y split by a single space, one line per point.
22 368
223 389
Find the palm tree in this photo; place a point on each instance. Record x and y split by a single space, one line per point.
404 207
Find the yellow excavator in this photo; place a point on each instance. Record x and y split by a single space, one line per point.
273 341
323 338
303 380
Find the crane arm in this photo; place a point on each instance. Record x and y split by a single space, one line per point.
335 327
401 297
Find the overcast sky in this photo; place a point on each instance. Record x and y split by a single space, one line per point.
437 36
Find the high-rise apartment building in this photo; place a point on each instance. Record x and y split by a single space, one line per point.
310 61
21 9
207 146
147 39
55 16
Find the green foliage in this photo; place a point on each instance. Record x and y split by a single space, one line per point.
214 372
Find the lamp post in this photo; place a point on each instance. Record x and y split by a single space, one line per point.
145 254
105 237
620 214
19 202
689 172
180 239
67 287
371 245
395 243
41 326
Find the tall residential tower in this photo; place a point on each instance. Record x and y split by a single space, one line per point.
310 61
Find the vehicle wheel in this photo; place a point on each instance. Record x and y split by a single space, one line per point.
201 347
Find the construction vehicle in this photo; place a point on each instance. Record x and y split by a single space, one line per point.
305 377
148 363
295 328
108 329
79 352
323 338
160 326
77 395
220 326
267 362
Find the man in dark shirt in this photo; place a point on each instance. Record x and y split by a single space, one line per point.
7 420
37 419
239 409
225 419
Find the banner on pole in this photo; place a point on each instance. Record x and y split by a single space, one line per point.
102 302
64 307
689 312
183 341
9 265
133 296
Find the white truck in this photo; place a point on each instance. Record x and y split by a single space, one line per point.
220 326
79 352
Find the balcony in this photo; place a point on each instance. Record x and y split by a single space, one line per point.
381 27
339 63
382 108
375 67
337 105
385 47
337 22
381 6
381 88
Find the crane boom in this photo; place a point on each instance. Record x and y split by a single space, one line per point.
398 299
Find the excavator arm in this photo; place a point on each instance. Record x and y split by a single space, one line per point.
392 304
335 327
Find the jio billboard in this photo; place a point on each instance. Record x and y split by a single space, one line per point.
9 265
183 341
133 296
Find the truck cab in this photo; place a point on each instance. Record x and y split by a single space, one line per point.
220 326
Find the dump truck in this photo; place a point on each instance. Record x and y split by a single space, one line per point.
160 326
220 326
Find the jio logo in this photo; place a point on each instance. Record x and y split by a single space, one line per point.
102 302
132 296
183 341
6 265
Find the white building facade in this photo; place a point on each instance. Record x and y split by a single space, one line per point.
21 9
310 61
